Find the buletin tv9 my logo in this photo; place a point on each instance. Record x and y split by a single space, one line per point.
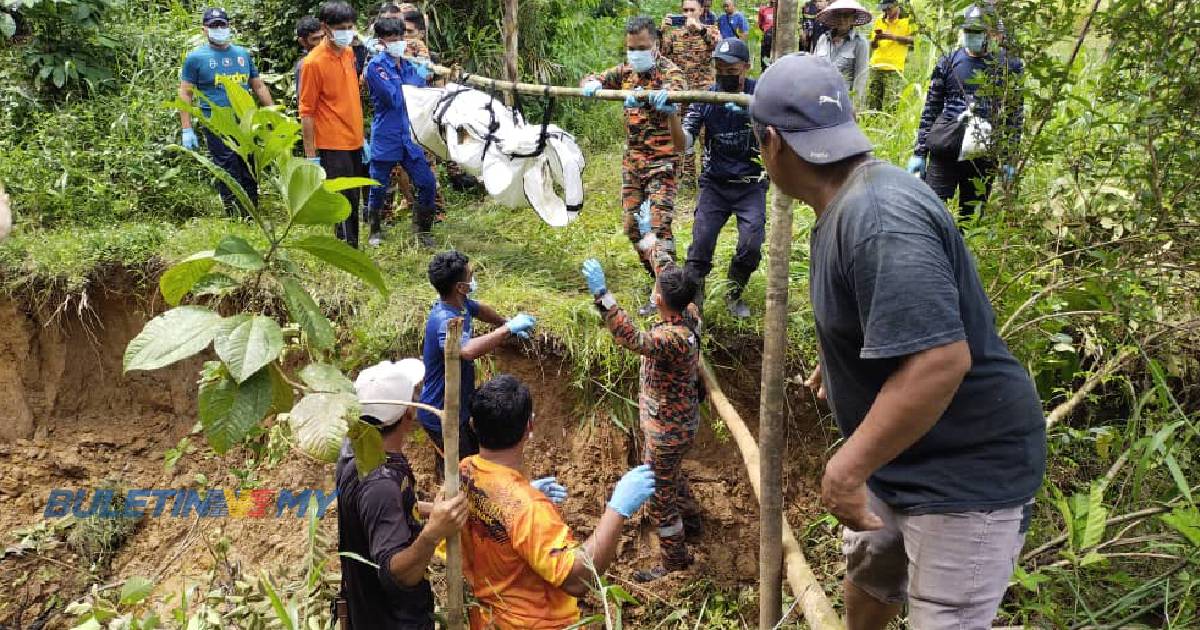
183 503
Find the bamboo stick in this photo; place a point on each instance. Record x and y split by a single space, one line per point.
510 46
818 612
450 422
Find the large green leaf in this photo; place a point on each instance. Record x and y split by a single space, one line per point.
367 443
236 252
224 177
1186 521
323 208
344 257
303 178
179 279
282 396
176 334
229 411
326 378
239 99
304 311
247 343
135 589
320 422
346 183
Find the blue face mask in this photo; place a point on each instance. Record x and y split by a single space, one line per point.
641 60
472 286
343 38
975 42
396 49
220 36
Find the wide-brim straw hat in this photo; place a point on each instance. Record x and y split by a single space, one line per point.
861 15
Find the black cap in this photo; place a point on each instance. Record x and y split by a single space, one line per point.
214 15
732 50
806 99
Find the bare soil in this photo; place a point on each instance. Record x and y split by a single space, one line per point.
69 419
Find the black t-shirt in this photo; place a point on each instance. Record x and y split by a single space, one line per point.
376 519
891 277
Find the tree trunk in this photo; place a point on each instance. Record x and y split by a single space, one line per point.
511 71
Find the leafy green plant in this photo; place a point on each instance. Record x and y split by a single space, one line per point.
66 45
249 382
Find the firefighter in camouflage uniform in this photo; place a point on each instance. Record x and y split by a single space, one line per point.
691 47
655 135
669 398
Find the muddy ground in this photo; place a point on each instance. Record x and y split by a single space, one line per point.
69 419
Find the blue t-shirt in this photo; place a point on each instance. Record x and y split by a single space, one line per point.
433 392
732 25
892 277
203 65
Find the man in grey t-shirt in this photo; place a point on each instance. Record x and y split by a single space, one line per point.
945 438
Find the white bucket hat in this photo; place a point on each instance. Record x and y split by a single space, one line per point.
389 381
861 17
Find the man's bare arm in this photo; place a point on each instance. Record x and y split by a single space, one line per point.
600 551
185 95
260 90
308 131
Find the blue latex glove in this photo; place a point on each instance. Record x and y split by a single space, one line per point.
521 324
593 273
366 152
1009 172
658 99
643 218
632 491
591 87
423 70
916 165
550 487
315 160
634 100
189 140
735 108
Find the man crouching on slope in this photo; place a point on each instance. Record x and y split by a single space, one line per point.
518 555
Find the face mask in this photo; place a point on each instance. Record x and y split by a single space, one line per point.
641 60
729 82
219 36
975 42
471 286
343 38
396 49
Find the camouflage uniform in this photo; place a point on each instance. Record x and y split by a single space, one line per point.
648 170
669 414
692 52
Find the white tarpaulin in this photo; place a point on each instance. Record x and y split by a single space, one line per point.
487 140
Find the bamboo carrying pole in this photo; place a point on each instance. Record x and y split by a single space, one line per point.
818 612
771 407
454 571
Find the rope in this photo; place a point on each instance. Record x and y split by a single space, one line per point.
547 114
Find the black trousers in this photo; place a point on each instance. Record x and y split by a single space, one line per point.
232 163
971 179
346 164
718 201
468 445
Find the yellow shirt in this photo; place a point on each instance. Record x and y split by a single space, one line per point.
888 54
517 551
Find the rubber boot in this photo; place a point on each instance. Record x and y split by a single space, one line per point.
423 225
376 222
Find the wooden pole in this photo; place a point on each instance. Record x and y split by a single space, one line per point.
817 610
771 436
450 421
511 71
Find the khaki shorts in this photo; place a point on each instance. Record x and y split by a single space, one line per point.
952 569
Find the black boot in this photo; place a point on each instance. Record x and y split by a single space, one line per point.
423 225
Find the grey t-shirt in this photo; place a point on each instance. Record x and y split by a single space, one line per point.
891 277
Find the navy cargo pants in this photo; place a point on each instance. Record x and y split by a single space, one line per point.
718 201
232 163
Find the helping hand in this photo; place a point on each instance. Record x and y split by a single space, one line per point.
521 324
189 140
633 101
658 99
916 165
447 516
550 487
816 382
846 499
1009 172
593 273
366 153
735 108
632 491
315 160
643 218
423 70
591 87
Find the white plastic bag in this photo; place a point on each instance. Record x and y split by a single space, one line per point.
977 136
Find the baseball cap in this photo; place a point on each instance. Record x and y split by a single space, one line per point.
806 99
977 18
732 50
886 4
214 15
388 380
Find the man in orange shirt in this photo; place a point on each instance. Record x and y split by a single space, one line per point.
518 555
331 107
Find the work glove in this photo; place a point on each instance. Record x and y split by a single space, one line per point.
1009 172
632 491
550 487
593 273
315 160
916 165
658 99
521 324
735 108
189 139
366 152
633 101
423 70
591 87
643 218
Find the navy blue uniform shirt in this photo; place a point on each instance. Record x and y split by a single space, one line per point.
730 148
